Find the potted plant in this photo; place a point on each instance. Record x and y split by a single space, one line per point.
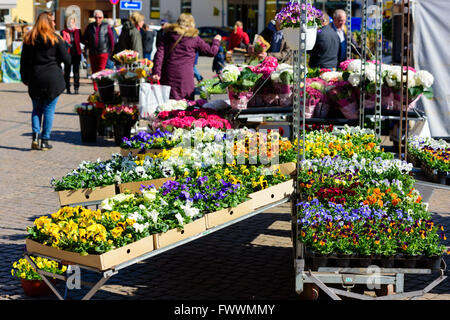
240 83
129 83
105 84
283 79
290 17
88 114
31 281
121 117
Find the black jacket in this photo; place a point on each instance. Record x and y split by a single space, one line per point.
40 68
105 39
147 40
130 39
325 51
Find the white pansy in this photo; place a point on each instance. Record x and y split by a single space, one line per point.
150 195
189 210
180 218
153 215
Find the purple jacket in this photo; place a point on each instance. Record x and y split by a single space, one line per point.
177 69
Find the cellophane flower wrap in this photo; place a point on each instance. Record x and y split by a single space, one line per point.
290 15
127 57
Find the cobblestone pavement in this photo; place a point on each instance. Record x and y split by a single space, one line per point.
248 260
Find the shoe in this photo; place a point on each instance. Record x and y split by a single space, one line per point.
76 91
35 142
44 145
68 91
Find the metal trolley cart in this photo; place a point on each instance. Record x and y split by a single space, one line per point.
323 277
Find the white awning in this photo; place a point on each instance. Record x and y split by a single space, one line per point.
8 4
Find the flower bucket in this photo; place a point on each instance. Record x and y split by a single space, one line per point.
292 37
369 102
36 288
106 90
350 111
270 99
88 128
387 101
239 101
129 90
120 131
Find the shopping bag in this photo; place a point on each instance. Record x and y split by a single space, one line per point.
150 97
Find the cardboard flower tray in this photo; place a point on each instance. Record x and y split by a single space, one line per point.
222 216
135 186
191 229
67 197
272 194
107 260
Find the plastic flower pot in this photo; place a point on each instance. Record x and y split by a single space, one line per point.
398 260
36 288
88 127
409 262
364 261
343 260
320 260
120 131
106 90
387 261
433 263
292 37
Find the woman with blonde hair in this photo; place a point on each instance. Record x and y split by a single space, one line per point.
43 52
130 37
175 58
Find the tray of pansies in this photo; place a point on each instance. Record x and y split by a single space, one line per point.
432 156
98 180
148 143
363 210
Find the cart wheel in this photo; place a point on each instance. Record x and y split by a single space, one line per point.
385 290
310 292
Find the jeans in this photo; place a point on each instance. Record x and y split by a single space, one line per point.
75 65
197 74
43 109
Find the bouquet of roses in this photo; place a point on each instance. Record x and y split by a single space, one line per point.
120 114
290 15
126 57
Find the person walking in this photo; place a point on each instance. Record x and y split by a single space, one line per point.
130 37
40 68
175 57
72 35
159 34
324 54
148 36
111 23
99 39
238 38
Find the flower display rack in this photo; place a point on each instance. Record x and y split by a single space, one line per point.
126 257
375 277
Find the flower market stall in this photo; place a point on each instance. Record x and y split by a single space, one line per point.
357 216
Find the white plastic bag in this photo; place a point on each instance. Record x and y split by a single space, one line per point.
150 97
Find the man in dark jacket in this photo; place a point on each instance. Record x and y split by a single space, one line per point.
278 46
99 39
148 36
325 51
339 26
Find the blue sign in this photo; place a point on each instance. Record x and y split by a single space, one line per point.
131 5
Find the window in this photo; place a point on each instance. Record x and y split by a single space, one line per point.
272 7
155 9
186 6
3 13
